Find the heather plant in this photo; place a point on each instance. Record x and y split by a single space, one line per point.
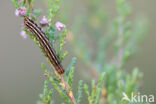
110 78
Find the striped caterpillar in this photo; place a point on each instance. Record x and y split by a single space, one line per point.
44 42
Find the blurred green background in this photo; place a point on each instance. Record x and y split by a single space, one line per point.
21 78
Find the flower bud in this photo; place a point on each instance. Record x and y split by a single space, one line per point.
60 26
44 21
23 34
21 11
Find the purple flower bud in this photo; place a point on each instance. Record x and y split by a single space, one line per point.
17 12
21 11
23 34
60 26
44 21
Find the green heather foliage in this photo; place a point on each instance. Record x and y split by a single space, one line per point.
110 79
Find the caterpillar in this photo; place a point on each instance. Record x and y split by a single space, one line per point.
45 44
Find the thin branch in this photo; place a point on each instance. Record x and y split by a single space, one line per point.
66 86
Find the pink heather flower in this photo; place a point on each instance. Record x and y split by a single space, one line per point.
21 11
23 34
17 12
44 21
60 26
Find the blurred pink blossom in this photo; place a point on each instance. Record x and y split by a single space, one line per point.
44 21
17 12
23 34
21 11
60 26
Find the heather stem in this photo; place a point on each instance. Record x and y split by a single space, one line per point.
66 86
